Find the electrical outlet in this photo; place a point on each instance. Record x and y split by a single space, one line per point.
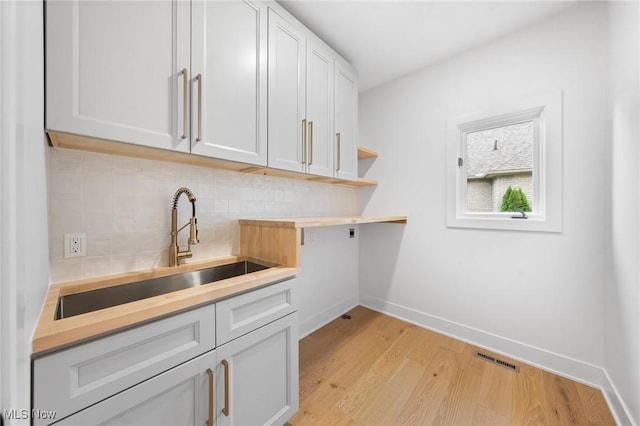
75 245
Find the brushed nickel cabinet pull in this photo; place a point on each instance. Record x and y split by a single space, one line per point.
211 420
185 115
304 141
339 154
225 410
199 79
310 142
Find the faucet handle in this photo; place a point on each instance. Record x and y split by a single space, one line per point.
193 231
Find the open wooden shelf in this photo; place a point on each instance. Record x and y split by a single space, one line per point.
364 153
359 183
70 141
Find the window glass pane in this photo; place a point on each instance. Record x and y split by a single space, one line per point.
500 168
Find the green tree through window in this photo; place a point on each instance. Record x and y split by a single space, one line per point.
514 200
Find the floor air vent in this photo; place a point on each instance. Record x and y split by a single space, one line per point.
497 361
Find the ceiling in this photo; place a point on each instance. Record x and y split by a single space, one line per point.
387 39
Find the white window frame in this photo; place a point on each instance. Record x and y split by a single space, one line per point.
546 113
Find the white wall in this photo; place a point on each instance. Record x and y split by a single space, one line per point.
622 326
534 296
328 279
124 206
24 243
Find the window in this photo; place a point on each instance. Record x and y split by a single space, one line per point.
504 166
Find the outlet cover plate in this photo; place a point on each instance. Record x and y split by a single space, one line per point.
75 245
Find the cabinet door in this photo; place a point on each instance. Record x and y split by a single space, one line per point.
286 94
113 70
346 125
180 396
261 372
319 109
69 380
246 312
229 80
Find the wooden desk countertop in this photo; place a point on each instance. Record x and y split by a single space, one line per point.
312 222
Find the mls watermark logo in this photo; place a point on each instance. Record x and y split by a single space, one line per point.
25 414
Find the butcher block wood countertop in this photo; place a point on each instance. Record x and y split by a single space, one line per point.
53 334
313 222
274 241
278 240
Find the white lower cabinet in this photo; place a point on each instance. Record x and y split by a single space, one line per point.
70 380
180 396
170 372
257 376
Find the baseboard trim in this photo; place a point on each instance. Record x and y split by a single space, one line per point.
616 404
561 365
321 319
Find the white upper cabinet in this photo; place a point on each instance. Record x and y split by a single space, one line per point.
312 97
114 70
238 80
319 108
286 95
229 80
346 121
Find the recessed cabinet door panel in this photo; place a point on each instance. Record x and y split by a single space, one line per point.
74 378
319 109
346 125
229 102
113 70
179 396
286 94
262 372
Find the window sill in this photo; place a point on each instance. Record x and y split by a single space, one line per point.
533 222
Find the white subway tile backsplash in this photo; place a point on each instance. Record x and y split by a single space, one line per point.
235 206
67 270
221 206
151 259
98 164
121 263
125 166
96 266
124 206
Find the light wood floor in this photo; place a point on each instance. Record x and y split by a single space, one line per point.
376 370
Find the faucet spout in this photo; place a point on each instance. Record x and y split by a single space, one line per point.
175 255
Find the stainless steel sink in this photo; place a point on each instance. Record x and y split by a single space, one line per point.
80 303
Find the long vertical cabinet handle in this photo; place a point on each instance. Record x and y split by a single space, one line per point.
225 410
199 79
339 155
211 421
310 142
185 113
304 141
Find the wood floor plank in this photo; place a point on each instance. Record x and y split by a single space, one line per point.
463 394
495 396
387 406
595 406
357 354
529 402
565 406
376 370
376 376
426 344
430 393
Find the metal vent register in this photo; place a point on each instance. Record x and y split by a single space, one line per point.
497 361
